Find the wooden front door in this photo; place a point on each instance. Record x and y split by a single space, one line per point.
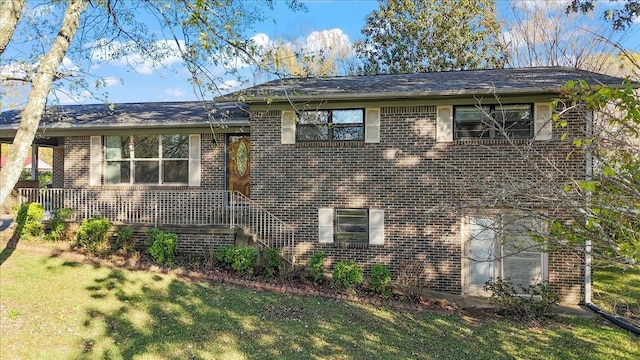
239 163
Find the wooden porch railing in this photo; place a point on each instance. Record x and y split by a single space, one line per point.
170 207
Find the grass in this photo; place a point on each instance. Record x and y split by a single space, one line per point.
56 308
617 291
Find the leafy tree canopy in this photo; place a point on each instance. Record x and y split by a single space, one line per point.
406 36
621 17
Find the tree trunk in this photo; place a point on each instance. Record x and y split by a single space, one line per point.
40 89
10 11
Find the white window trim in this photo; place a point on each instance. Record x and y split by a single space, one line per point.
98 161
288 127
498 267
543 121
371 126
326 226
444 123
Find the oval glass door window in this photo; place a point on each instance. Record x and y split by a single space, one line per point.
241 159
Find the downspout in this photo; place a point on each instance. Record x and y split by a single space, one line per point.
588 248
587 244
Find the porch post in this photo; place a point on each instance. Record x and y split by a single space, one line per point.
34 162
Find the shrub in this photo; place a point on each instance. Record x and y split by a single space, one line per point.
273 262
163 246
244 258
123 240
29 220
522 303
225 254
58 226
240 259
380 281
347 274
411 280
93 236
316 265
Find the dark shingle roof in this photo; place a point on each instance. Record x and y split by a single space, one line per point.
468 82
151 114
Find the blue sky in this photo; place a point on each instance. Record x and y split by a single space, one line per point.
343 18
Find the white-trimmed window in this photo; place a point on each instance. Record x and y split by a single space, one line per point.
168 159
493 121
351 225
336 125
330 125
502 247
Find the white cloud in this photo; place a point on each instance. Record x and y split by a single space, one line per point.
230 85
334 39
16 70
176 92
261 39
165 53
111 81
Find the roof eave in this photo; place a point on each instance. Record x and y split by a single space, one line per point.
84 129
398 95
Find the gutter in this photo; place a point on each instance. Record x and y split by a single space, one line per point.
588 289
82 129
587 245
275 95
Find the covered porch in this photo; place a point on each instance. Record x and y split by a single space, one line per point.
186 208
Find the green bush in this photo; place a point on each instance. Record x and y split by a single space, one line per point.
520 302
244 258
163 246
273 262
316 265
29 220
58 226
380 281
123 240
347 274
93 235
241 259
225 254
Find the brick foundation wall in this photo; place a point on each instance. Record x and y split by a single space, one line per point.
196 240
424 187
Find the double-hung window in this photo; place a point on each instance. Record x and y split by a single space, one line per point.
513 121
330 125
502 247
147 159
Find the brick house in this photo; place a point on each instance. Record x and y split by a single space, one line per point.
416 171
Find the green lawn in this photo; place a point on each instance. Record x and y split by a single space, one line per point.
617 291
55 308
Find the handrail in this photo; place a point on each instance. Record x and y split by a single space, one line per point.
269 229
170 207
